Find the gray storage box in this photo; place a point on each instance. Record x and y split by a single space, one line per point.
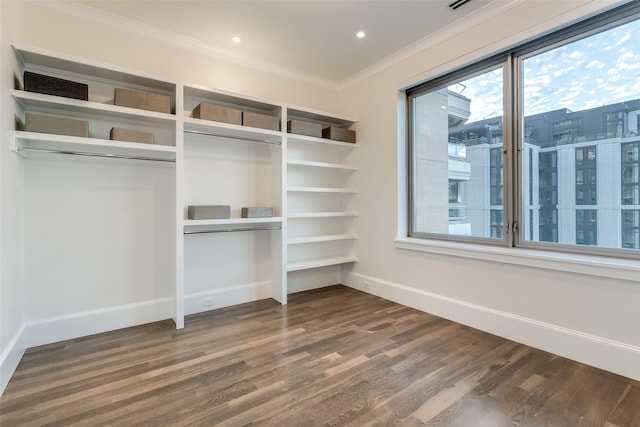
301 127
262 121
339 134
131 135
218 113
209 212
257 212
142 100
56 125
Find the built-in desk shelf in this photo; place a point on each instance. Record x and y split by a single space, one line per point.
198 226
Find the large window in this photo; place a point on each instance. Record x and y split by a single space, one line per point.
527 148
449 196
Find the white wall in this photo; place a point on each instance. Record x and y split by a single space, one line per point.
11 208
590 318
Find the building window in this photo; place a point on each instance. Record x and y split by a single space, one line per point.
548 196
495 176
614 124
570 105
586 227
497 224
586 182
631 229
630 173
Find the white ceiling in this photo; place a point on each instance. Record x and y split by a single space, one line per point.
316 38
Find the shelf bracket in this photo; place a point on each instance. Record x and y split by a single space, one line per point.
13 145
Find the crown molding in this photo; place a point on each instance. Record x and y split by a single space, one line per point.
581 11
496 7
69 7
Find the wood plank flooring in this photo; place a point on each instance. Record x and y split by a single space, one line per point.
333 356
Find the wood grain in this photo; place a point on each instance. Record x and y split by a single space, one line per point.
333 356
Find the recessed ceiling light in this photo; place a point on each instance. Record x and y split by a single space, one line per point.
235 39
360 34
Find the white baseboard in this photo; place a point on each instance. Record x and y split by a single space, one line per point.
619 358
225 297
60 328
10 358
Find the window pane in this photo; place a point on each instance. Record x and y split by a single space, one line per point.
457 159
631 229
581 103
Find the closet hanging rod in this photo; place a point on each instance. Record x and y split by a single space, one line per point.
231 230
241 138
84 153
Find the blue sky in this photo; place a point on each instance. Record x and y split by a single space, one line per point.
599 70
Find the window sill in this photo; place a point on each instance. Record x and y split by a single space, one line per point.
581 264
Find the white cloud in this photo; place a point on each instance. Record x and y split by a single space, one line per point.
595 64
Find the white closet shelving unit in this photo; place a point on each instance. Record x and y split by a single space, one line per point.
321 192
309 182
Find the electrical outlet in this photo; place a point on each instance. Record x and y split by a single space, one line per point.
207 301
366 286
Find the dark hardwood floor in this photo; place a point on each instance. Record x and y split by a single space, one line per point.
333 356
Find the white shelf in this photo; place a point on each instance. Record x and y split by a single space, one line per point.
306 163
208 128
41 102
323 214
327 238
321 262
291 137
322 190
25 141
319 117
35 57
231 221
194 226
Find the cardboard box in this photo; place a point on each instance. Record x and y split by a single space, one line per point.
56 125
218 113
257 212
48 85
262 121
339 134
142 100
209 212
131 135
301 127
